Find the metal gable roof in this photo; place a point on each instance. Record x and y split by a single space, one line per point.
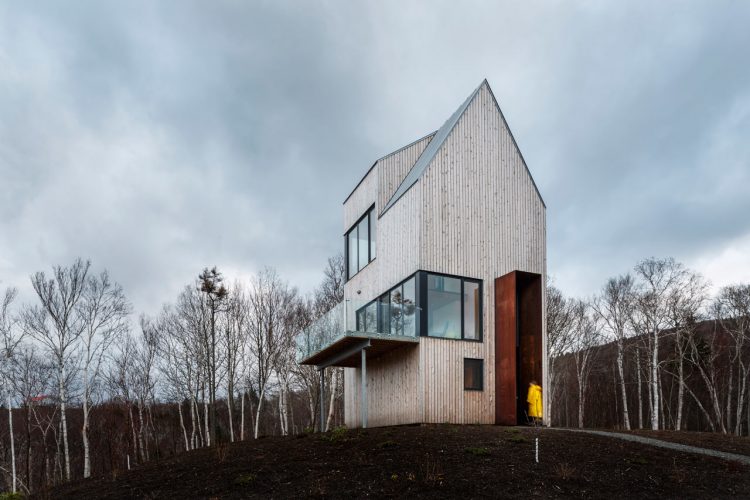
430 151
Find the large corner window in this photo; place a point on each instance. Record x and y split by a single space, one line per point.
360 243
454 307
473 374
393 313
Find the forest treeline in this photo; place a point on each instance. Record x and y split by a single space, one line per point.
89 390
653 349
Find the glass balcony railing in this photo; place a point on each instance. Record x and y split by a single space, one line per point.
373 319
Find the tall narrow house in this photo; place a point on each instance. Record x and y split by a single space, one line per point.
443 318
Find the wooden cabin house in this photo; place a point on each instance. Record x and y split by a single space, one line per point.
444 313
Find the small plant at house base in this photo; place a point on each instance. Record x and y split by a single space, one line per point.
245 479
386 444
564 471
336 435
479 451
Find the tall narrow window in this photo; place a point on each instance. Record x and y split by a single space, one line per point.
471 311
351 248
363 239
360 243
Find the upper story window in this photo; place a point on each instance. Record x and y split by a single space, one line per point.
454 307
426 304
360 243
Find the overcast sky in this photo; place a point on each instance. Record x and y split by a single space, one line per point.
157 138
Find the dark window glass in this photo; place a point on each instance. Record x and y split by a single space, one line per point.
363 243
373 233
443 307
360 244
473 374
352 250
409 308
471 311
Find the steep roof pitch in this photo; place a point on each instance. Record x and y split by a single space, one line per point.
437 141
429 152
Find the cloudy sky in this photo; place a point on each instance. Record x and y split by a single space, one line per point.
157 138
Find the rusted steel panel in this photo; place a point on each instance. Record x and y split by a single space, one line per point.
529 335
505 349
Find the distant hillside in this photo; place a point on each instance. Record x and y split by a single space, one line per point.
425 461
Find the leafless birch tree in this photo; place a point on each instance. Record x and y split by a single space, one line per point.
56 324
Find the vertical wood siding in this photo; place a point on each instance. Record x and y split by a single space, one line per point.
393 168
481 218
476 213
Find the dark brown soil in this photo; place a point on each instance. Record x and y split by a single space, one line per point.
710 440
427 461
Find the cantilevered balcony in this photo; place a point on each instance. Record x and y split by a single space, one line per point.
337 337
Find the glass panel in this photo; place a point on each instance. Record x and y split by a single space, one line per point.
371 317
361 320
373 233
443 307
409 308
384 313
471 311
362 243
352 250
396 311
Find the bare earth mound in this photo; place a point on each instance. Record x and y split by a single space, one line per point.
426 461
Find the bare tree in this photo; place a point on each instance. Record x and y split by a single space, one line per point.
684 302
585 338
658 277
11 336
57 326
103 309
614 306
235 335
269 299
32 378
732 309
560 324
215 294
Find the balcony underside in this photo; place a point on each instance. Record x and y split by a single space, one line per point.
346 350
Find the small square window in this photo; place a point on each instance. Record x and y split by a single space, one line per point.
473 374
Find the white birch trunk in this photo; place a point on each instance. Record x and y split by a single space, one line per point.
242 416
655 382
182 425
64 420
680 391
205 421
231 420
12 442
257 411
640 389
621 371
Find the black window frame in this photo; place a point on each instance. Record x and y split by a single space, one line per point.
386 295
481 374
422 294
369 215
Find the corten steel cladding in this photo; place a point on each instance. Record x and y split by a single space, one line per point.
518 343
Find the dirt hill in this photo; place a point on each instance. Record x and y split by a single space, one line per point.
427 461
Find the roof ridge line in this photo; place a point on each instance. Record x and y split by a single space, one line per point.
429 152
